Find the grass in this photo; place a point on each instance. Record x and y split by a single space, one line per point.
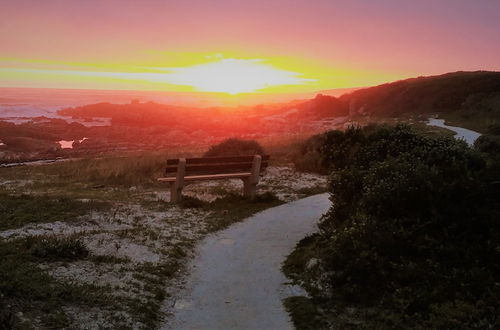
130 170
432 131
233 208
27 288
54 248
19 210
223 211
309 191
304 313
107 259
190 202
153 278
295 262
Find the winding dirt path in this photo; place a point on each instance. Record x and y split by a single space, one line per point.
235 281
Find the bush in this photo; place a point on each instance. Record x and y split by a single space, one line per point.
235 147
308 157
412 235
489 144
320 152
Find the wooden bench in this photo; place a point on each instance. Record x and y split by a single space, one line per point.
183 171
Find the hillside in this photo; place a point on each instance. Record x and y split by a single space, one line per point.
443 93
468 98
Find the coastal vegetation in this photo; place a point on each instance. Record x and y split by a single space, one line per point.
19 210
411 238
235 147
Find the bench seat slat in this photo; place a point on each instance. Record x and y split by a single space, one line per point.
209 177
215 160
215 168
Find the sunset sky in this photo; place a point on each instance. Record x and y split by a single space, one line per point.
238 46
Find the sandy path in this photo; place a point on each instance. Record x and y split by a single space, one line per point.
236 281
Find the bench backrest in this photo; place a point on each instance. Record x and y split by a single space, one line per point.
215 165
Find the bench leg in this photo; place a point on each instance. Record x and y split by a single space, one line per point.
175 193
250 183
176 187
249 188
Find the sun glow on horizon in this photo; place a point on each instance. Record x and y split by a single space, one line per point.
229 73
233 76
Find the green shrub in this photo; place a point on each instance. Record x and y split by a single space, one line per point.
412 234
489 144
308 157
235 147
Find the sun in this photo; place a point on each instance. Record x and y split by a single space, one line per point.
232 76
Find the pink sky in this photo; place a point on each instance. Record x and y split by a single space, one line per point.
372 37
